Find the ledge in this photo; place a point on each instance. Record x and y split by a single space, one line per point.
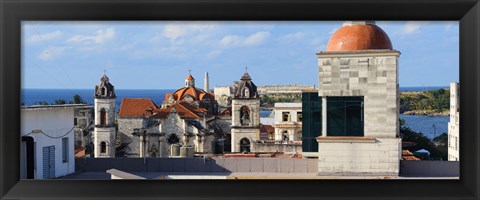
345 139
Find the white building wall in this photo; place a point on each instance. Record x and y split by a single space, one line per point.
454 123
55 121
380 157
251 132
293 125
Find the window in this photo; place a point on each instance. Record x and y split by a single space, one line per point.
271 136
345 116
173 139
244 115
285 136
103 147
103 117
75 121
285 116
299 116
64 150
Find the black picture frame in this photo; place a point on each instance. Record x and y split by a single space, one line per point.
12 12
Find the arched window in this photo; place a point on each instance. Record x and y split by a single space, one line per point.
247 92
285 135
244 145
104 91
173 139
103 147
244 115
103 117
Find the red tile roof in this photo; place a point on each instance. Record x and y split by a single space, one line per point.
183 109
407 155
267 128
226 112
136 107
196 93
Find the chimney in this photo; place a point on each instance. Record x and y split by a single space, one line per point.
206 87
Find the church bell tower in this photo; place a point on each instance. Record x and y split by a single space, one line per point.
104 132
245 115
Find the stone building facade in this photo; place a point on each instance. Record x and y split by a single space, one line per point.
245 115
288 121
359 90
454 123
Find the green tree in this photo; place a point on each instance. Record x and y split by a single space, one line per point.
59 102
77 99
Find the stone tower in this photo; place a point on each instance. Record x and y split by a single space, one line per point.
104 132
245 115
206 86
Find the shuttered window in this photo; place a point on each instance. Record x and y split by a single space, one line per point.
64 150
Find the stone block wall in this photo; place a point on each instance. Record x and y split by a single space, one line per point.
373 75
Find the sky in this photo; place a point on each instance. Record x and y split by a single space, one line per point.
159 55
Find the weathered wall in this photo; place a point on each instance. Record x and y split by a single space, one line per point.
373 75
250 131
354 158
262 147
223 95
271 165
285 89
125 130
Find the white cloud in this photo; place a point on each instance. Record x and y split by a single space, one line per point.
411 27
256 38
292 37
51 53
252 40
45 37
100 36
175 31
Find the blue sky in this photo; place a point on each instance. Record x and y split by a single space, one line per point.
158 55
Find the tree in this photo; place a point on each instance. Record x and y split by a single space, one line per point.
77 99
59 102
436 152
41 103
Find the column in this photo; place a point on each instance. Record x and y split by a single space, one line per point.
324 116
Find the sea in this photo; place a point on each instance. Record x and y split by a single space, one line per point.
430 126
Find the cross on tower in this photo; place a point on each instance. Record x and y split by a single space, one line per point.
104 72
189 71
246 68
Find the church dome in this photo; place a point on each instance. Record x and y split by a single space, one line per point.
190 91
364 35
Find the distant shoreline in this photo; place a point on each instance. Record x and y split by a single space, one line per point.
427 113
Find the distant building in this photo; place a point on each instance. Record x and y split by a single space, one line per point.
288 121
223 95
186 118
358 87
454 124
47 147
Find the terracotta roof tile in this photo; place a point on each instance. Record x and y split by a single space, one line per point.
267 128
183 109
136 107
226 112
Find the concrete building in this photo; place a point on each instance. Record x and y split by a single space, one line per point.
47 136
288 121
454 124
358 87
104 134
245 115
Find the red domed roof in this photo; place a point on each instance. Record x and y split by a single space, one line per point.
196 94
351 37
